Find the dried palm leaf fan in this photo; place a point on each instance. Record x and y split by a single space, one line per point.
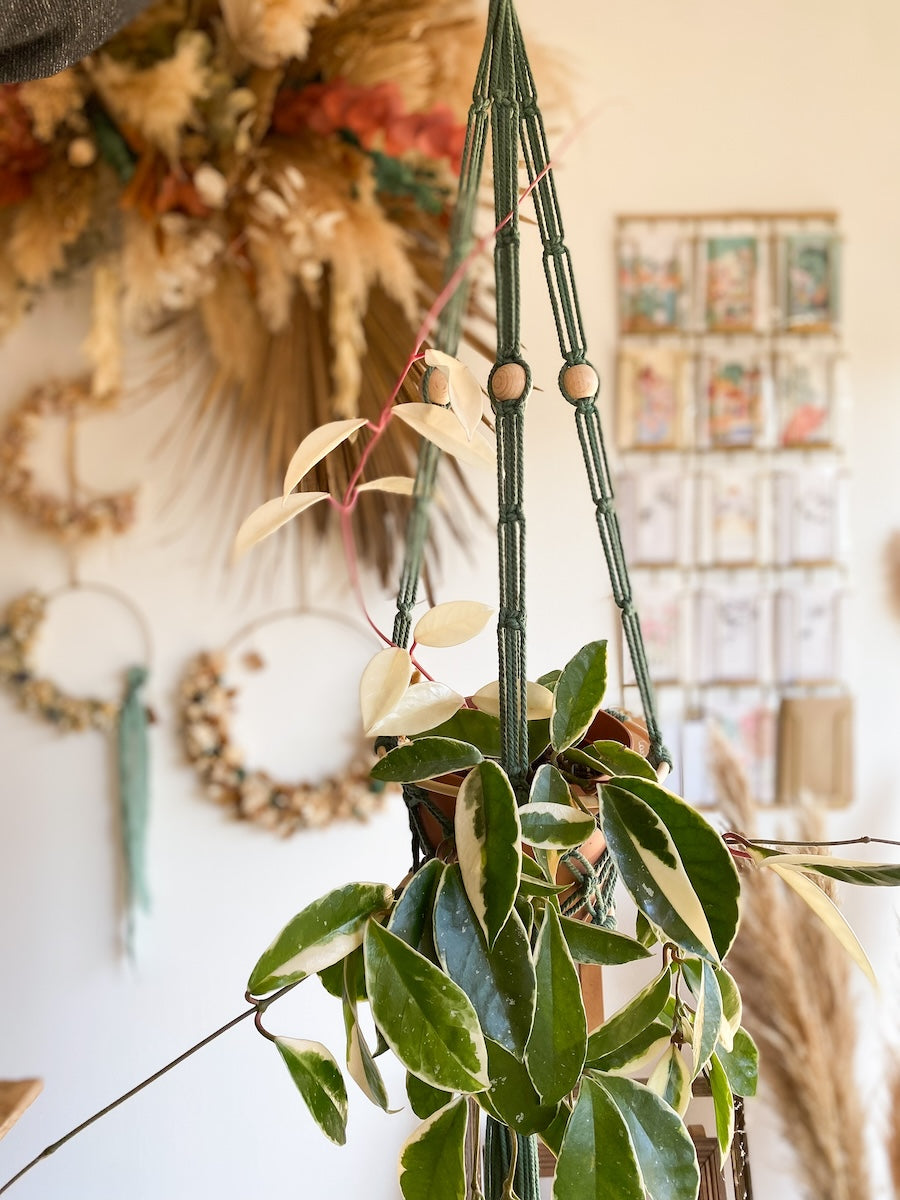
505 97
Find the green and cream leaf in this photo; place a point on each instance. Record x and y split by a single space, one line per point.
578 695
319 1081
432 1159
488 843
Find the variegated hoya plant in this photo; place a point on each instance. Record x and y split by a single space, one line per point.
469 968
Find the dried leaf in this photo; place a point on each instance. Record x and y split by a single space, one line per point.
399 485
441 426
271 516
315 446
465 391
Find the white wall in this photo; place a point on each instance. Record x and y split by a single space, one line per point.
698 106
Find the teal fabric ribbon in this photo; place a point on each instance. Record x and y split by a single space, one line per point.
134 798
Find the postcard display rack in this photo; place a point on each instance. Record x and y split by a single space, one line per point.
731 403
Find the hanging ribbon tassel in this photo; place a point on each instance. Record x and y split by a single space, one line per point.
134 798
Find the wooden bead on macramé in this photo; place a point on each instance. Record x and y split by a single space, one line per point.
508 382
581 382
435 387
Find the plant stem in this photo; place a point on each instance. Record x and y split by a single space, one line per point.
257 1007
865 840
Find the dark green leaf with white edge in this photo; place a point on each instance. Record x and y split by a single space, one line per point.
323 933
549 679
538 738
426 1018
605 947
499 980
534 883
553 1135
671 1079
489 845
424 1099
332 978
425 758
472 726
612 758
412 918
707 1018
644 931
847 870
555 826
633 1017
432 1159
511 1097
319 1082
360 1061
740 1064
557 1045
597 1160
723 1104
637 1054
664 1150
673 863
732 1007
549 786
578 695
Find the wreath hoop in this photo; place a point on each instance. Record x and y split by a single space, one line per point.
67 517
206 707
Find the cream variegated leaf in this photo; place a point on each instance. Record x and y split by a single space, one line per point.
315 446
271 516
538 700
397 485
465 391
383 684
441 426
828 912
452 624
671 1079
422 706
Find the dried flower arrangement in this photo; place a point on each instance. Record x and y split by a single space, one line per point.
206 702
279 170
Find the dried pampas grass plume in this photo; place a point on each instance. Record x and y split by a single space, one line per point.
157 101
795 981
52 101
52 218
269 32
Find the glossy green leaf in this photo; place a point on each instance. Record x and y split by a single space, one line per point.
549 786
741 1064
549 679
323 933
360 1061
664 1150
612 758
412 918
535 885
732 1007
538 738
723 1103
424 1099
605 947
472 726
644 931
427 1019
555 826
631 1018
638 1053
432 1160
847 870
556 1048
512 1097
425 758
553 1135
500 979
671 1080
597 1160
332 978
319 1082
488 843
578 695
707 1017
675 866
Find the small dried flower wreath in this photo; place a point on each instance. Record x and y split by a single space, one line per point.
19 630
206 704
68 518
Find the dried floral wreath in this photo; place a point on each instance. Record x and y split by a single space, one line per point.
270 179
69 518
126 720
206 702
